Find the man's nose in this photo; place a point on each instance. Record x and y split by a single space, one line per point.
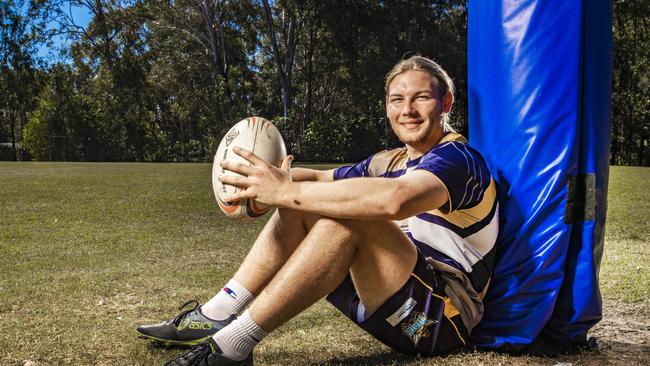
408 108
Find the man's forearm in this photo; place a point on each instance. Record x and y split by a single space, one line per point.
315 191
311 175
359 198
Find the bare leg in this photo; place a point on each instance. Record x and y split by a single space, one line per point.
376 253
275 244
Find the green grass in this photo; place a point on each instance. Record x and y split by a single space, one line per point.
88 251
625 271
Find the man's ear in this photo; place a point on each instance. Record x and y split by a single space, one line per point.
447 102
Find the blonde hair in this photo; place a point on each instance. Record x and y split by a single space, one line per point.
441 79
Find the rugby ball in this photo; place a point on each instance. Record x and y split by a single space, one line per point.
255 134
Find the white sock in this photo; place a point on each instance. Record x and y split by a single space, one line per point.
238 338
232 299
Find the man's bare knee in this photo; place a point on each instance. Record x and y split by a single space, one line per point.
293 217
330 226
361 229
383 256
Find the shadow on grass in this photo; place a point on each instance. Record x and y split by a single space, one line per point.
618 353
383 358
609 353
380 358
153 346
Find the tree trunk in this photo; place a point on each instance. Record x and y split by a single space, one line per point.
217 54
310 77
12 122
283 70
101 20
641 158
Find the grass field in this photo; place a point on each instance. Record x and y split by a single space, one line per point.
89 251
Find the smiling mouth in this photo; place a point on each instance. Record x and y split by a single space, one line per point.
411 124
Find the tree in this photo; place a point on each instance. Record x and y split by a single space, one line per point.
289 25
62 127
631 84
163 80
110 56
19 31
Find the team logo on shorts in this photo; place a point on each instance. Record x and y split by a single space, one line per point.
416 327
402 312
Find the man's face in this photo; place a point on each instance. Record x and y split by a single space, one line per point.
415 109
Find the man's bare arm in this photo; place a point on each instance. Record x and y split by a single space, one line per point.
367 198
311 175
356 198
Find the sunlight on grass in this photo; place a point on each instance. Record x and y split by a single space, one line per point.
89 251
625 270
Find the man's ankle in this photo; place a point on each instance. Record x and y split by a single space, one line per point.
238 339
232 299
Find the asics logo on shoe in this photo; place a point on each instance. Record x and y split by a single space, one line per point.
194 325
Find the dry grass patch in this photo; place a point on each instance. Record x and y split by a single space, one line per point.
89 251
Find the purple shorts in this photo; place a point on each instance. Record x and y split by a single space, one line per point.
414 319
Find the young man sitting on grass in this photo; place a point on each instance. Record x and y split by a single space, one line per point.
402 243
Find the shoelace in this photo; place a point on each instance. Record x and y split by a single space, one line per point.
180 316
201 350
196 355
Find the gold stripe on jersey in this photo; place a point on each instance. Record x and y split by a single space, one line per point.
450 309
387 161
452 137
394 160
469 216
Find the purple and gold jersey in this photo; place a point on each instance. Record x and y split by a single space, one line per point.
462 233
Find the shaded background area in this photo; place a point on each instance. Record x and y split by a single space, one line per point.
162 80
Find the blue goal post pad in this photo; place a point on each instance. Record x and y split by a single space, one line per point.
539 76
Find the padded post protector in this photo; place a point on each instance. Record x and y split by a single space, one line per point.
539 75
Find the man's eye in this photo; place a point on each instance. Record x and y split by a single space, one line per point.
422 97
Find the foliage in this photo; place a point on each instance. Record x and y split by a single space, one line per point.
37 130
631 84
21 26
163 80
62 127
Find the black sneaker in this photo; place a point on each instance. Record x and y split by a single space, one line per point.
207 354
190 327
